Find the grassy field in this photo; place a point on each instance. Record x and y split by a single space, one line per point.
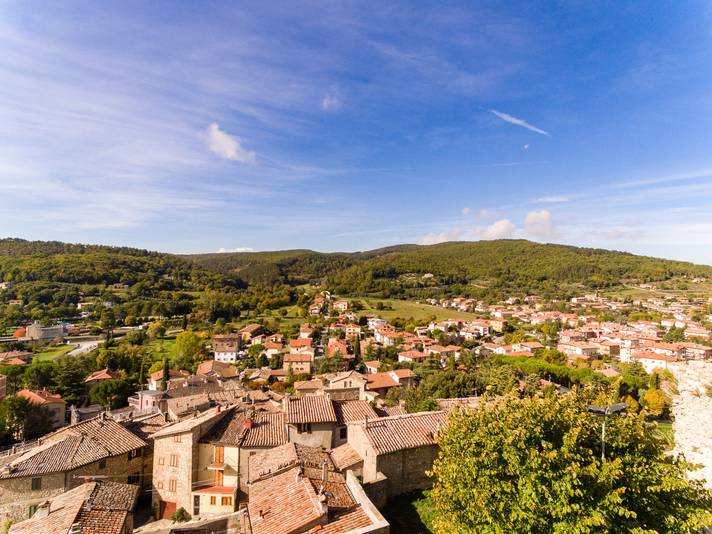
406 309
162 347
50 353
411 513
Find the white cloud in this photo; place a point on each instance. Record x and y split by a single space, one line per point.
500 229
526 147
466 211
227 146
332 101
453 234
238 249
539 224
518 122
553 199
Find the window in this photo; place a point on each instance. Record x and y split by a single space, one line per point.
33 509
304 427
159 484
213 500
161 461
102 463
172 484
226 501
174 460
133 479
342 433
176 439
36 484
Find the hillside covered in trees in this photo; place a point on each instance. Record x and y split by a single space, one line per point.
482 268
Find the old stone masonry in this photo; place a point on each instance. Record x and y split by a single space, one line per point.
692 409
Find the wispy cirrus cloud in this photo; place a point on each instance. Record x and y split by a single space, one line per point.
555 199
518 122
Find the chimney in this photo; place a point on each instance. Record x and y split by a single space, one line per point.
324 471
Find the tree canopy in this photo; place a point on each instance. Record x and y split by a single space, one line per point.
534 465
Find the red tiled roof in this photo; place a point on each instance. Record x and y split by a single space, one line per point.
102 374
309 385
380 381
98 507
345 456
348 411
284 503
347 521
312 409
390 434
300 342
73 447
40 396
172 373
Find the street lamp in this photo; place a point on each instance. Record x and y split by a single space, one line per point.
605 412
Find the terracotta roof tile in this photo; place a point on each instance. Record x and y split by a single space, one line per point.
345 456
312 409
72 447
399 432
109 504
348 411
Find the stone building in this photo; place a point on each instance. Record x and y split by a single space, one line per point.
175 462
311 420
37 332
201 463
102 506
396 451
59 461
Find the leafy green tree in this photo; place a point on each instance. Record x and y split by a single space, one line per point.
40 375
190 350
534 465
166 374
112 394
21 420
674 335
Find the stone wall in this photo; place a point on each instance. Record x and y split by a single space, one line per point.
692 410
17 495
406 469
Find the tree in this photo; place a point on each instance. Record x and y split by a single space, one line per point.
533 465
112 394
21 420
156 330
656 402
108 321
166 374
190 350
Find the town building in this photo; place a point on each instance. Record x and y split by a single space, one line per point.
104 507
58 462
53 403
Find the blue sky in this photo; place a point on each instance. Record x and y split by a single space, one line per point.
206 126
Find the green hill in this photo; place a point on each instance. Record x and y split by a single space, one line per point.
489 268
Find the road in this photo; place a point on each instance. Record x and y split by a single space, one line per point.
82 347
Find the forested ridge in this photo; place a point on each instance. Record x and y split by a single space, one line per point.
486 269
468 268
